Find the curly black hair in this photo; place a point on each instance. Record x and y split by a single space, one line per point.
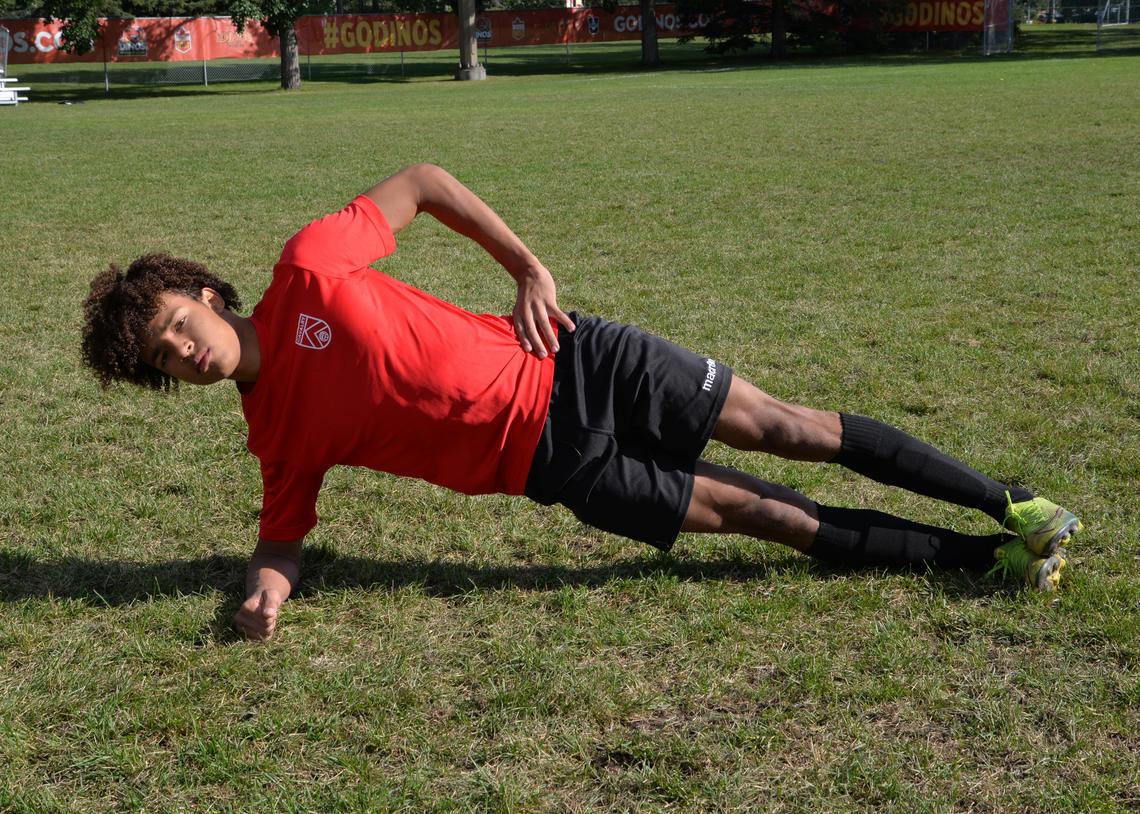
120 305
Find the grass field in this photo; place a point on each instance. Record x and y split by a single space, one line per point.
949 244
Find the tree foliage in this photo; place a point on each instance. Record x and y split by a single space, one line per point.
436 6
276 15
80 18
495 5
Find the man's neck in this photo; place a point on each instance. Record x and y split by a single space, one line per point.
250 364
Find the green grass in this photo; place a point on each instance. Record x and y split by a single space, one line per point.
950 244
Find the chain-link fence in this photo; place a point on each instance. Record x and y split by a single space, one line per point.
1098 25
1118 25
314 67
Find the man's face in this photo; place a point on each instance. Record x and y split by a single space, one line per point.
190 340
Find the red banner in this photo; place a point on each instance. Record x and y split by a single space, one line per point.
171 39
937 15
150 39
353 34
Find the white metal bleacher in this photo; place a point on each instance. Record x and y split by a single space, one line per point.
9 94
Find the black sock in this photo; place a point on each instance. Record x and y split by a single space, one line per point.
888 455
863 537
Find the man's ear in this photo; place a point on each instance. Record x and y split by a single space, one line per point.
213 299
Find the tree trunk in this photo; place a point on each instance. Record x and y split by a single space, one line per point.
290 58
469 67
649 53
779 30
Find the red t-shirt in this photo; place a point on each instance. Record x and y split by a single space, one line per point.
359 368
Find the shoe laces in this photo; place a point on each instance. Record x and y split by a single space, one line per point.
1024 515
1012 561
1003 568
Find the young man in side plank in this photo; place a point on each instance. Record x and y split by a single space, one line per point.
341 364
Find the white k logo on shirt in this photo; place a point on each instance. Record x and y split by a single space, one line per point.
313 332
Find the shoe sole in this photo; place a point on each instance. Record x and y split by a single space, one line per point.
1049 574
1059 538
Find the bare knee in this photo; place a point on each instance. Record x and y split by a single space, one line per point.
753 420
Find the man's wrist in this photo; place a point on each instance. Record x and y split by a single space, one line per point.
271 571
528 271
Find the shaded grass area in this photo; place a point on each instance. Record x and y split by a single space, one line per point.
947 244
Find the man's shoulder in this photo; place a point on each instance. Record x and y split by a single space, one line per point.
340 242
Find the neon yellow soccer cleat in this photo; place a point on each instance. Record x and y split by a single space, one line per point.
1042 525
1040 572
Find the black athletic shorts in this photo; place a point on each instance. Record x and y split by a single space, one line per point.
630 414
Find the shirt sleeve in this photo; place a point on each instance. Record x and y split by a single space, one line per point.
343 242
289 501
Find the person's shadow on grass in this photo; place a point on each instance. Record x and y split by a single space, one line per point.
123 582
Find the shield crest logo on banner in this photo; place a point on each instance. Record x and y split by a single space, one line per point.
182 41
313 332
594 24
